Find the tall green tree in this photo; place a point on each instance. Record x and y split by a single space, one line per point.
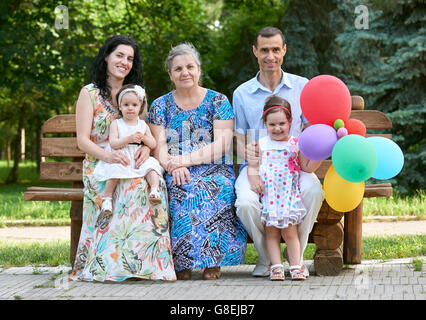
234 62
385 63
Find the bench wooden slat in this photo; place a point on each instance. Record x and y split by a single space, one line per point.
60 147
67 194
357 103
384 135
378 190
47 189
55 194
64 123
322 170
372 119
61 171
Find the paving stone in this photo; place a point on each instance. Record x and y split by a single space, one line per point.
371 280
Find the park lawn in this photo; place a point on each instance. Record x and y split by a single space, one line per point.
54 253
14 211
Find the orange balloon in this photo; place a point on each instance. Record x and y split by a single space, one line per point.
340 194
355 126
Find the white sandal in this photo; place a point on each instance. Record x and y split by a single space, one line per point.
106 205
296 273
155 196
277 272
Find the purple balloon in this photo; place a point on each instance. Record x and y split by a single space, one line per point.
317 141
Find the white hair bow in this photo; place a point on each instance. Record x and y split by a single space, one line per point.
140 92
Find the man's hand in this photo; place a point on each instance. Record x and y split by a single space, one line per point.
256 184
253 153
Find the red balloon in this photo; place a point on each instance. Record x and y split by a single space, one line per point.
324 99
355 126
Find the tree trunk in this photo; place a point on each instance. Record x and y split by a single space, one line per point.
16 152
14 172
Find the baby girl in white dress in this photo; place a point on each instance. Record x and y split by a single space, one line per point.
126 135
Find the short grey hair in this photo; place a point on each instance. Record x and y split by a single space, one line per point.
180 50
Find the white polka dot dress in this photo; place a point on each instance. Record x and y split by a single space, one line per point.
280 171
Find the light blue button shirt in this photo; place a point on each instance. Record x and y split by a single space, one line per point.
249 98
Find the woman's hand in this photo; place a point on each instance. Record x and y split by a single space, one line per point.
141 155
174 162
181 176
253 153
118 157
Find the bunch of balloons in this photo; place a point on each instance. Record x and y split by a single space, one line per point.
326 103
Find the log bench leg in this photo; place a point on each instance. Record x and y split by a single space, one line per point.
328 259
328 262
76 214
328 236
352 244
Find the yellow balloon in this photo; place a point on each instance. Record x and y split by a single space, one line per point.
340 194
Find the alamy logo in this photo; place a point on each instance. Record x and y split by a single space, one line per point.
61 21
361 21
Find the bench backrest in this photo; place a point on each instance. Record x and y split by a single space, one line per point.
71 170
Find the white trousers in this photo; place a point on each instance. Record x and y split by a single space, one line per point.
248 211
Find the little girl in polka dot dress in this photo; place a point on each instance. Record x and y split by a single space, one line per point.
277 181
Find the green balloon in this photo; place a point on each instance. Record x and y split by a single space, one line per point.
339 123
354 158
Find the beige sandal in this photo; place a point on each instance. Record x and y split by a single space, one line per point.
277 273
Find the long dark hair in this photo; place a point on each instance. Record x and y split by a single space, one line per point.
99 67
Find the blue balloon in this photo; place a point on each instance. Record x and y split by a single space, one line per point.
390 158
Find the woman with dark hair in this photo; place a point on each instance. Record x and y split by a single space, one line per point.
99 71
133 241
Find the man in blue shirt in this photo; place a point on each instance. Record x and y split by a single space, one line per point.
248 102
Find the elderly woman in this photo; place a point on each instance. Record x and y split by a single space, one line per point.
133 241
193 127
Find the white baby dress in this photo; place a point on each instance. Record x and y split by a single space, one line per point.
280 171
105 171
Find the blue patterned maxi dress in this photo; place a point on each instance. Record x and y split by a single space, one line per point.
205 230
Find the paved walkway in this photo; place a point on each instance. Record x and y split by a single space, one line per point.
371 280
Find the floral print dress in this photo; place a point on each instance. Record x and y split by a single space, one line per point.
134 242
280 171
205 230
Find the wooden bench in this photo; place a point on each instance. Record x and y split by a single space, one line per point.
328 232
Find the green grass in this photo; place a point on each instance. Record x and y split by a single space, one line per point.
15 211
18 254
396 206
54 253
377 247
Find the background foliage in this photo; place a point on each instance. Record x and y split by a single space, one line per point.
43 67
